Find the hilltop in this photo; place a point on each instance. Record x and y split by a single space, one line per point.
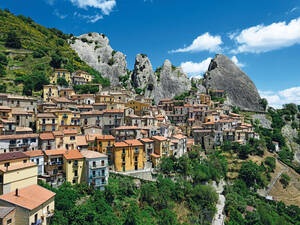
29 53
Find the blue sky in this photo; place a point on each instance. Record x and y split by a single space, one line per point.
261 36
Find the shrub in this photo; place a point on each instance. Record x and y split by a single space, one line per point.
284 180
113 52
62 82
12 40
84 40
60 42
294 125
271 162
138 91
111 61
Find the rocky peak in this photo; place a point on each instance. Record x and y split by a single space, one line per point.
95 50
143 73
223 74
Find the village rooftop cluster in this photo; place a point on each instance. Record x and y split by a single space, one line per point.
76 138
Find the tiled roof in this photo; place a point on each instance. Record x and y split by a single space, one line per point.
127 128
159 138
5 210
146 140
58 133
179 136
120 144
134 142
34 153
74 131
113 111
23 129
92 154
81 140
46 136
72 154
55 152
12 155
93 112
17 166
30 197
155 155
46 115
18 136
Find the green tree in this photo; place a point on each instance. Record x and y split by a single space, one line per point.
12 40
56 61
62 82
249 172
284 180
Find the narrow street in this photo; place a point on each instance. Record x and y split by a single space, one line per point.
219 216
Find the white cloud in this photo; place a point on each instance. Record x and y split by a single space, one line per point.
90 19
277 99
263 38
106 6
236 61
59 15
204 42
196 69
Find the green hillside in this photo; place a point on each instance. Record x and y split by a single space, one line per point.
29 52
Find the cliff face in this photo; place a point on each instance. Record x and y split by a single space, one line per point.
94 49
223 74
166 82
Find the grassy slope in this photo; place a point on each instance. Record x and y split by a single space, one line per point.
33 36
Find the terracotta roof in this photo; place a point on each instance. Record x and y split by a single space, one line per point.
72 154
20 111
46 136
93 112
5 210
23 129
61 70
91 137
92 154
74 131
127 128
34 153
61 99
179 136
134 142
146 140
46 115
113 111
25 197
18 136
155 155
81 140
159 138
17 166
12 155
55 152
120 144
58 133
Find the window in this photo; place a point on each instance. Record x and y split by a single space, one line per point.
76 162
75 173
103 181
8 221
94 173
25 161
43 128
33 140
108 144
53 120
72 138
123 151
94 164
102 162
103 172
37 161
53 128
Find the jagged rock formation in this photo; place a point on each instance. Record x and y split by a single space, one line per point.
223 74
166 82
94 49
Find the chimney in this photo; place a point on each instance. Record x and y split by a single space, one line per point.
17 192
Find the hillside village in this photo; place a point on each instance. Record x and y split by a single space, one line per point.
78 138
85 140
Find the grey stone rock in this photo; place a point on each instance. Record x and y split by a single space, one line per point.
265 123
101 56
223 74
167 82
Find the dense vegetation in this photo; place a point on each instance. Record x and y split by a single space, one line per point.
29 52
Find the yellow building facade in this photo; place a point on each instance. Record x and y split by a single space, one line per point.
73 166
16 171
128 155
49 91
60 73
138 107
